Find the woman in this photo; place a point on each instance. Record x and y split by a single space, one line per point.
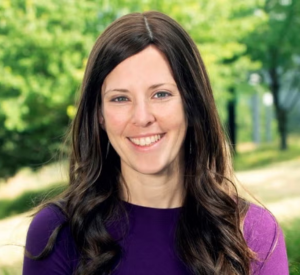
150 189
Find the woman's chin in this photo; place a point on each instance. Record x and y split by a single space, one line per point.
150 169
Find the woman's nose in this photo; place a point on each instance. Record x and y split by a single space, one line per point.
142 114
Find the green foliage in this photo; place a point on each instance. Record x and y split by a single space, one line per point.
276 41
276 45
28 200
44 47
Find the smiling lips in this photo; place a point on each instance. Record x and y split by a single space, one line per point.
146 141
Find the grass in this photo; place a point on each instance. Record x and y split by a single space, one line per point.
10 270
292 238
265 155
28 200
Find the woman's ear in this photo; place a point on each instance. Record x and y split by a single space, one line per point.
101 121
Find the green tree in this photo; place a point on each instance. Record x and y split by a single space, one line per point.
276 45
44 45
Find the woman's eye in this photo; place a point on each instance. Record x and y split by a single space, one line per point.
119 99
162 95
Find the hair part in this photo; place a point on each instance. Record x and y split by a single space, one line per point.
148 28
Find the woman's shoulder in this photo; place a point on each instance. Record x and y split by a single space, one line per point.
47 219
63 256
260 228
50 212
259 220
42 227
265 237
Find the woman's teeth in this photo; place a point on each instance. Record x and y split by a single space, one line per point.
145 141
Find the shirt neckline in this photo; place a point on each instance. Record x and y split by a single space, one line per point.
148 208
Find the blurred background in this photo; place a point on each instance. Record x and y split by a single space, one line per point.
251 49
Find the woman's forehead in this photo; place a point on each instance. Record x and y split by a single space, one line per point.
146 68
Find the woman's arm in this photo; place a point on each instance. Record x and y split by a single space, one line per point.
264 236
276 262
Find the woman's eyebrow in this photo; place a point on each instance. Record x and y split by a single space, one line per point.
160 84
154 86
117 90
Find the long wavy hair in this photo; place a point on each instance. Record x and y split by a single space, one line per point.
209 238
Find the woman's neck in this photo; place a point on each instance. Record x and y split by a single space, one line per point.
165 190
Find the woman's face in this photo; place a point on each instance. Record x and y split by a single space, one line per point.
143 114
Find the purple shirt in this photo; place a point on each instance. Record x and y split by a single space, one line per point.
149 245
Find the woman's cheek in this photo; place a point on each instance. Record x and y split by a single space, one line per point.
116 118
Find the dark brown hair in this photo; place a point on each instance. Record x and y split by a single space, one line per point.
209 239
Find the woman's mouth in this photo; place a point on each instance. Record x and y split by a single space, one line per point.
146 141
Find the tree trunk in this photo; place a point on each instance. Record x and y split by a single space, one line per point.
256 118
231 123
281 113
282 126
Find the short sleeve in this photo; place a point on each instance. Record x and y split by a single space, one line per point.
62 259
265 237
